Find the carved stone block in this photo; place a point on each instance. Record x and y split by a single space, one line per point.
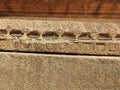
75 45
53 35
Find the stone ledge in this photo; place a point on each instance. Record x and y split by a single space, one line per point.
21 71
60 35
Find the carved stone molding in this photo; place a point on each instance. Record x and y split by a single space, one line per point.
72 36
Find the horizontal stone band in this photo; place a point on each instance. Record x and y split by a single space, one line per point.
96 37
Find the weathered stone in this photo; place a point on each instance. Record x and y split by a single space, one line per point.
39 53
55 35
21 71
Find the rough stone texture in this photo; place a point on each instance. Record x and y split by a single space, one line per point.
60 35
35 71
21 71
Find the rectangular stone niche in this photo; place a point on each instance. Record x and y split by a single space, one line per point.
22 71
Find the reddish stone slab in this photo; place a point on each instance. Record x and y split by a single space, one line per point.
60 7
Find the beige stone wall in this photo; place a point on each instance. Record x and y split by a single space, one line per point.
21 71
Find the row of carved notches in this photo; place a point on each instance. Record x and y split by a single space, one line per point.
58 34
